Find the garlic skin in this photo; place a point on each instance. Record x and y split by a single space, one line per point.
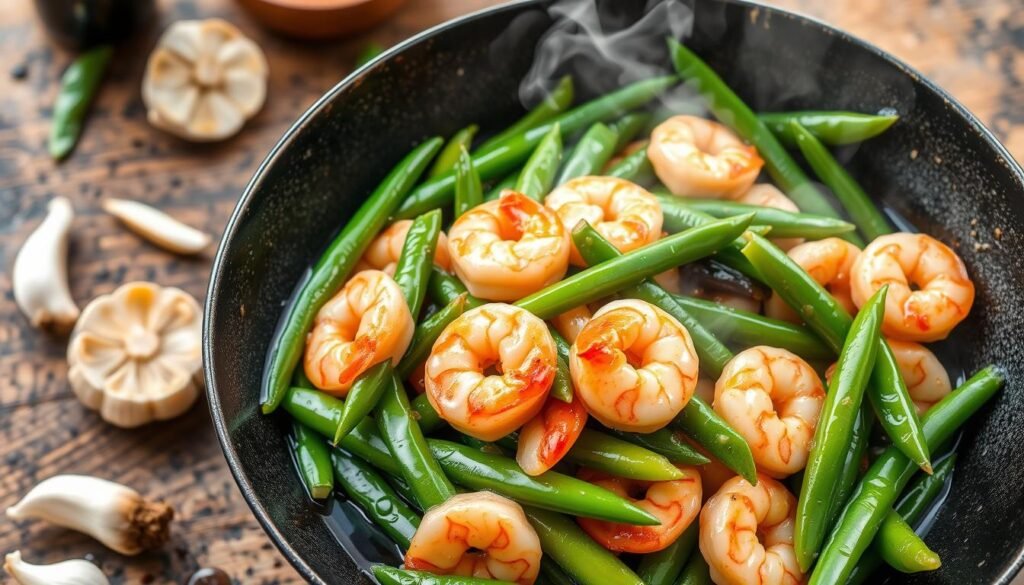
135 354
157 227
111 513
40 274
204 79
72 572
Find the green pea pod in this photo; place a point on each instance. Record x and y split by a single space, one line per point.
554 104
78 86
313 460
501 157
667 443
596 450
587 562
392 576
468 191
333 268
561 388
552 574
702 424
427 332
851 466
425 414
665 566
593 150
783 224
882 483
370 52
362 398
626 270
634 167
476 470
508 182
413 269
832 128
364 486
628 127
903 549
449 155
868 218
538 174
834 433
696 572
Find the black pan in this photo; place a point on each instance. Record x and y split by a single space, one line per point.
939 168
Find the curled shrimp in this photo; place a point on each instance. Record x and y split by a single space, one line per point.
490 370
571 322
623 212
929 289
548 436
695 157
633 366
746 534
674 503
385 249
773 399
829 262
476 535
504 250
366 323
765 195
926 378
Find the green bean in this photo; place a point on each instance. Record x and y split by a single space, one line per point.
538 174
679 218
784 224
313 460
413 269
577 554
664 566
833 128
903 549
593 150
871 222
508 153
552 574
364 486
509 182
425 414
78 86
851 466
392 576
362 398
628 127
402 488
887 476
369 52
834 433
300 379
561 387
696 572
468 191
553 104
702 424
332 269
634 167
667 443
449 155
596 450
608 277
427 332
476 470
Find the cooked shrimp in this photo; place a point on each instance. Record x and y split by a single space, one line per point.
765 195
548 436
675 503
926 379
476 535
773 399
695 157
504 250
570 323
623 212
367 322
829 262
634 366
384 251
746 534
929 289
490 370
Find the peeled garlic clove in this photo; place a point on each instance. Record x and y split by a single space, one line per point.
157 227
111 513
73 572
40 275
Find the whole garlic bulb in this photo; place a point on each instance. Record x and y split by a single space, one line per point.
135 354
204 79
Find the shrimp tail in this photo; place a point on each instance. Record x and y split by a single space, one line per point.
363 351
598 353
513 208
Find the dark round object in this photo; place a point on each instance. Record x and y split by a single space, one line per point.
81 24
938 167
209 576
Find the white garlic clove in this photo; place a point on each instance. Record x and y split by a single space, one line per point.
111 513
157 227
40 274
72 572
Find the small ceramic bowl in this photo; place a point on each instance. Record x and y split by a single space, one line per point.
320 19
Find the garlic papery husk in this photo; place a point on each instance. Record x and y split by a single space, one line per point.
111 513
157 227
40 275
135 354
72 572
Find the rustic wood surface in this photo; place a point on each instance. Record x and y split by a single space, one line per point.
975 48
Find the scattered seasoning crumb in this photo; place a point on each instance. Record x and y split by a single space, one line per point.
20 71
938 160
913 154
241 311
974 233
998 233
981 247
460 71
974 221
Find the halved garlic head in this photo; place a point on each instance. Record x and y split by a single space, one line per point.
204 79
135 354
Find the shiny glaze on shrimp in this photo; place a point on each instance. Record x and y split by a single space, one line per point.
506 249
623 212
385 249
674 503
571 322
476 535
633 366
365 323
746 534
695 157
766 195
490 370
546 439
829 262
929 289
773 399
926 378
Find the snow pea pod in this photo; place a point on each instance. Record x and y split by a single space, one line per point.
427 332
696 572
628 128
553 104
378 500
468 191
576 553
362 398
594 149
509 182
702 424
538 174
313 459
449 155
832 128
665 442
78 86
665 566
903 549
413 268
784 224
424 412
552 574
634 167
392 576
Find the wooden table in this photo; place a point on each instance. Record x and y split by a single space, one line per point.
975 48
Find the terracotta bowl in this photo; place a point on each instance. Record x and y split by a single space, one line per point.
320 19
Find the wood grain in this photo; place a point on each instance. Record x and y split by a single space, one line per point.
975 48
